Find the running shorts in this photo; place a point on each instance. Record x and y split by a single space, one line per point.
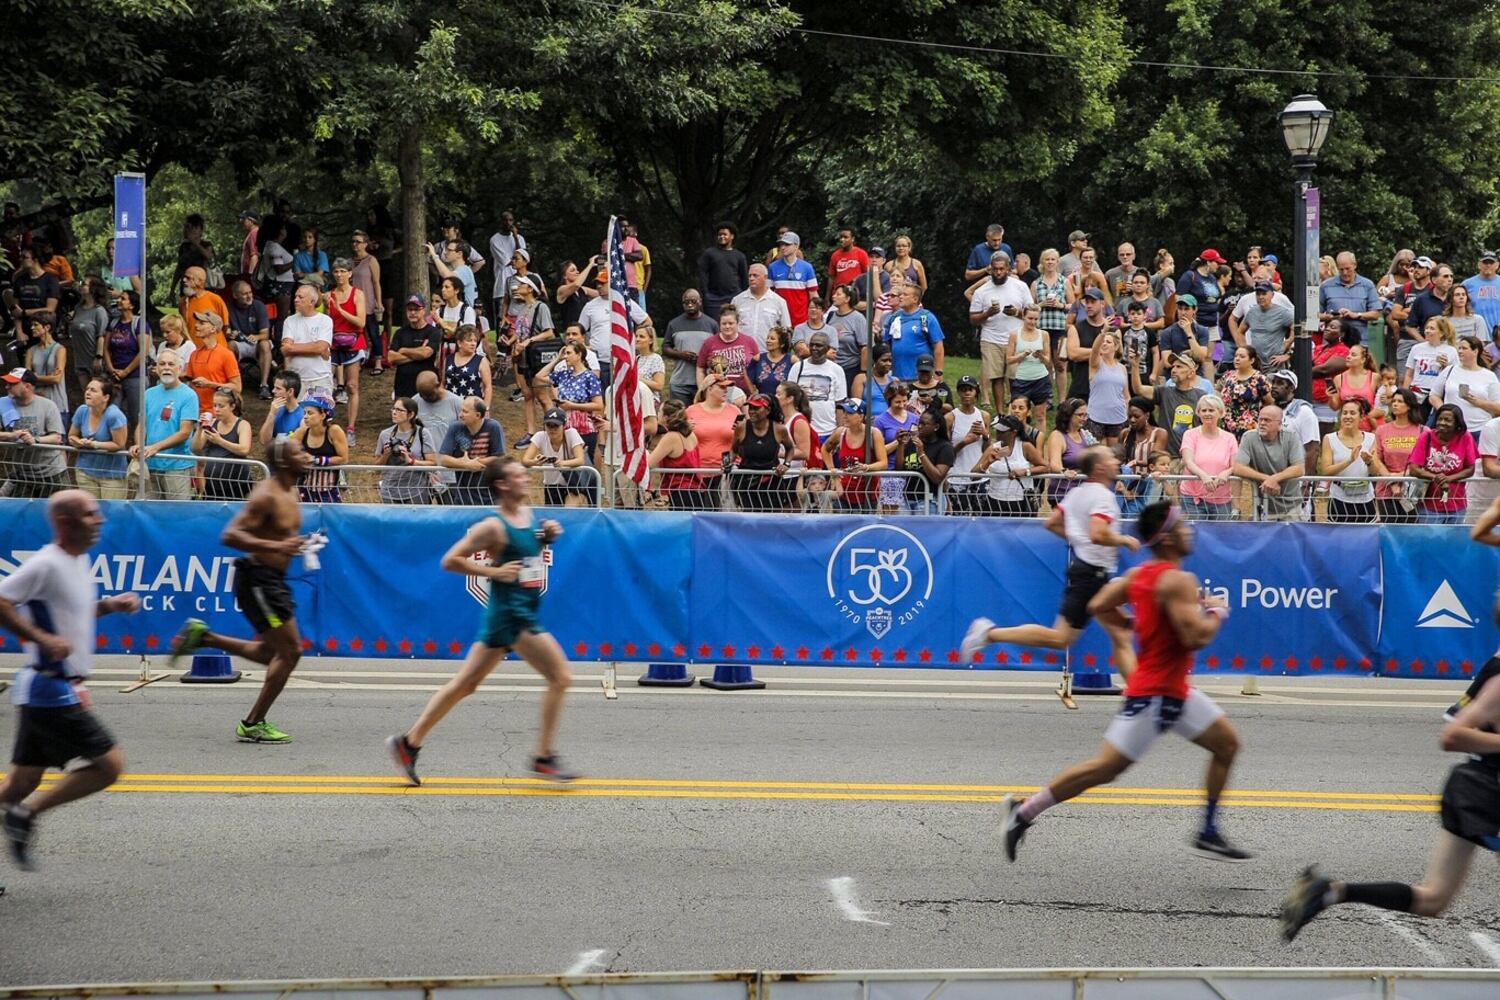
501 629
263 595
51 737
1144 719
1471 804
1084 580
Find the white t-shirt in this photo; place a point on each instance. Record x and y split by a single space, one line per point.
1482 384
1080 507
54 592
1425 363
546 449
300 329
1242 306
757 316
1000 485
596 319
1304 422
826 386
998 328
1482 490
281 261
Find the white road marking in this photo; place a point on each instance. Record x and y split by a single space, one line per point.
587 962
843 895
1486 944
1395 926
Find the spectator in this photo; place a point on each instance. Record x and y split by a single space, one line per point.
212 366
1024 270
437 408
877 386
996 309
759 445
1273 459
224 433
983 254
453 263
112 281
852 331
503 246
1349 297
1108 389
817 320
1185 336
790 277
453 230
307 342
249 332
174 338
677 448
249 248
1357 381
897 422
578 393
687 332
1298 415
1119 280
98 430
1484 288
527 318
1267 327
822 380
407 447
574 290
468 374
1177 401
968 431
1460 314
48 361
1137 342
323 439
1208 452
1428 359
930 453
1202 283
713 418
310 263
469 441
1444 457
769 370
1079 346
1417 307
1070 262
1142 438
1349 454
929 391
450 313
1087 276
911 332
637 261
365 274
598 320
1050 291
1066 445
520 270
33 472
32 292
628 493
856 451
349 310
414 347
559 450
1471 387
862 283
729 354
285 414
1244 390
847 262
1399 294
1163 285
86 331
649 366
759 307
274 277
197 299
125 345
723 271
1395 440
171 412
192 252
807 444
1138 290
1008 489
906 265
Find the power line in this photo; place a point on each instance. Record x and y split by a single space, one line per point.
1033 54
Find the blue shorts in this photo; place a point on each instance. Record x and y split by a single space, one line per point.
501 629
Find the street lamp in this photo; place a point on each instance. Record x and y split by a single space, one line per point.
1304 128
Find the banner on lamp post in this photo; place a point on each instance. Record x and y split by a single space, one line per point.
130 225
1312 222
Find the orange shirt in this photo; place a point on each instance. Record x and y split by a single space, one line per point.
217 364
59 268
204 301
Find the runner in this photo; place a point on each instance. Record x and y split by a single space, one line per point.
267 530
516 574
1086 516
1171 621
51 604
1470 809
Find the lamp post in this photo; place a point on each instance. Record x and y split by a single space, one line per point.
1304 128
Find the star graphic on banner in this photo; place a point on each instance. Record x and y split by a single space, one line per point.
356 644
777 652
429 647
630 648
925 656
752 651
455 647
381 645
606 648
727 651
900 656
404 645
152 642
330 644
851 654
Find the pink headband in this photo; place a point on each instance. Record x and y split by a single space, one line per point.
1174 514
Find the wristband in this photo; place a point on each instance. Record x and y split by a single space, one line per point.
322 459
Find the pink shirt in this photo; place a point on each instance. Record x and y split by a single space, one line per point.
1435 456
1213 455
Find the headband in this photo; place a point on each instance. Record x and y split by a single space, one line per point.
1174 514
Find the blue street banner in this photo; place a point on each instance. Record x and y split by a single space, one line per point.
1439 590
130 225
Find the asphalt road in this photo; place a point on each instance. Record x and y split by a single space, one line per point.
835 821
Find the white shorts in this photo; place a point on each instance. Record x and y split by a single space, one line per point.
1142 720
244 350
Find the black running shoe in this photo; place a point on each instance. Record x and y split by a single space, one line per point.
405 757
551 768
1303 902
20 828
1216 848
1013 826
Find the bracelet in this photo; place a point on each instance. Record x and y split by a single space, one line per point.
322 459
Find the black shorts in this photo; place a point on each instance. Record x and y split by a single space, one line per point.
1084 580
1471 804
265 599
50 737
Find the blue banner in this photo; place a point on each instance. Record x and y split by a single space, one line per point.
130 225
845 591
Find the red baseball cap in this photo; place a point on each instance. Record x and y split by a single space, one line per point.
1212 256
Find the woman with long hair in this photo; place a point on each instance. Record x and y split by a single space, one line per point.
1163 280
1029 358
1349 455
310 262
795 408
575 287
1395 440
897 421
760 444
1066 445
323 439
676 448
1445 458
904 264
1208 454
98 431
1109 392
1053 295
576 391
347 305
406 445
86 331
1468 385
225 433
48 360
1429 358
851 448
451 312
1460 314
1357 381
1244 389
713 418
774 364
649 366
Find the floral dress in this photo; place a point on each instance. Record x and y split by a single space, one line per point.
1243 398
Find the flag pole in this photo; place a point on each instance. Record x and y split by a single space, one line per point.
609 390
872 289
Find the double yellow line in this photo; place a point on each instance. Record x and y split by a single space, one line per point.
816 791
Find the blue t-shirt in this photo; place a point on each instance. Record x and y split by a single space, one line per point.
302 262
8 414
980 256
1485 294
101 465
1206 291
287 421
465 274
911 335
166 409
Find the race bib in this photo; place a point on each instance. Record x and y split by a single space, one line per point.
533 573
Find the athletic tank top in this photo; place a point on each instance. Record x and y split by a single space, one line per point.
1350 487
319 478
525 595
815 446
857 489
878 404
346 336
1032 368
760 451
965 457
689 459
1162 662
1107 395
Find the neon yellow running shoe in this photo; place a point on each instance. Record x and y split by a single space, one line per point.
260 732
189 639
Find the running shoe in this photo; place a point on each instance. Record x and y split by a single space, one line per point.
260 732
405 757
1014 827
975 639
349 433
524 441
517 396
20 829
552 769
341 395
1216 848
1451 712
188 640
265 392
1303 902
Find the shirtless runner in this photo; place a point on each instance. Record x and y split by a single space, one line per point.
267 529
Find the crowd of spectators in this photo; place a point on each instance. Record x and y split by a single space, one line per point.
768 389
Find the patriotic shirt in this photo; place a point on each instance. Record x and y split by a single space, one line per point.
793 282
55 592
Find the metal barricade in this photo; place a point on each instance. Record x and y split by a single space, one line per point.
39 470
1350 500
422 485
798 491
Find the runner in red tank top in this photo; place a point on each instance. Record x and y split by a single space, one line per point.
1172 620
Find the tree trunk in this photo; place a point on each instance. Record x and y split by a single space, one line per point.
413 209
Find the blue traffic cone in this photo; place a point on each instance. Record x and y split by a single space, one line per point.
1094 683
211 667
666 675
732 677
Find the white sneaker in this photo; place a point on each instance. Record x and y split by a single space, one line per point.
975 639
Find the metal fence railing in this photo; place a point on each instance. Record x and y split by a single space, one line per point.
806 491
39 470
434 484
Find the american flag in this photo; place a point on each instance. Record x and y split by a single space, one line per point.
625 414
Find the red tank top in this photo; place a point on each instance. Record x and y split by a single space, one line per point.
856 488
1162 662
674 481
343 330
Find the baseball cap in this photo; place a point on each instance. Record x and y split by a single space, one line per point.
1173 357
555 416
1488 255
213 319
925 363
523 253
415 300
321 399
876 252
21 375
1005 423
852 404
1270 258
790 237
1190 301
1264 286
250 213
1094 293
969 382
1424 261
1212 256
1076 235
1286 375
